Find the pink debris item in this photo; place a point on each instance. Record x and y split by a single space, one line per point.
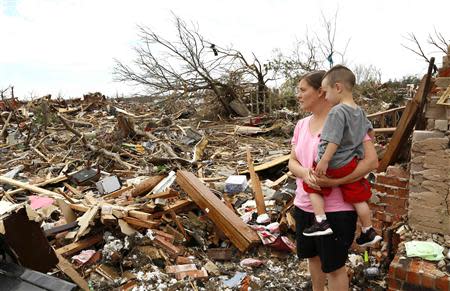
83 257
249 262
37 202
283 243
273 227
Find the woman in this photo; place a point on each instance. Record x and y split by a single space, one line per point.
326 254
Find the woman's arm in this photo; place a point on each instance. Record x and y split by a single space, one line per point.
301 172
365 166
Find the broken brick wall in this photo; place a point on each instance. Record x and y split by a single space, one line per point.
429 201
389 205
415 274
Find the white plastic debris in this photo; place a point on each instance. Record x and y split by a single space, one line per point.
236 184
108 185
165 183
263 219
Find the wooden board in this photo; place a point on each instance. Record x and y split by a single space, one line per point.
70 271
256 185
268 165
404 127
239 233
75 247
445 98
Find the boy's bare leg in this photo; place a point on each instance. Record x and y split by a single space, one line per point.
368 234
363 211
317 203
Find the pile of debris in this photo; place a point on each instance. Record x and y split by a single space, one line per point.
109 198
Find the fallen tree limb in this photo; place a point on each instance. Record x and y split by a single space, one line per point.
5 126
114 156
77 122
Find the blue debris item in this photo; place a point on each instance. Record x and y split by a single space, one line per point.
235 281
235 184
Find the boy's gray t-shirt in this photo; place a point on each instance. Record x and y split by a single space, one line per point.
345 126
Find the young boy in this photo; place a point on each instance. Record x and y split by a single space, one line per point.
339 150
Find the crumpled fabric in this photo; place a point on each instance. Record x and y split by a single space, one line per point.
427 250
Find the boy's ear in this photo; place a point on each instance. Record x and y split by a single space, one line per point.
339 87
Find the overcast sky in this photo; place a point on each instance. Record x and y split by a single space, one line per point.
67 47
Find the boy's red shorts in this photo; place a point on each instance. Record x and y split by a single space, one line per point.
355 192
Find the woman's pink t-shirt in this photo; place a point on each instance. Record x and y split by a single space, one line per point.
306 146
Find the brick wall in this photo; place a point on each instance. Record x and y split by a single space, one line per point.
415 274
389 204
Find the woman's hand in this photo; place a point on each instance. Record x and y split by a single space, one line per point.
310 178
325 181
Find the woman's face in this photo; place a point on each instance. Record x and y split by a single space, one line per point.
307 95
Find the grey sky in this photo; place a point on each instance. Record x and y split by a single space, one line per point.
67 47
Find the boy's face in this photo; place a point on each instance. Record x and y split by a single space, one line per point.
331 92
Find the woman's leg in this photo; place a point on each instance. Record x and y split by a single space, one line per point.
318 277
338 280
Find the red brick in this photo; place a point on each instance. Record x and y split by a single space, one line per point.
400 273
379 188
443 283
401 192
377 207
412 275
396 210
395 260
378 215
378 225
392 268
391 181
392 200
428 280
396 171
394 284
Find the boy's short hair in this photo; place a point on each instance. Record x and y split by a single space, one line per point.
342 74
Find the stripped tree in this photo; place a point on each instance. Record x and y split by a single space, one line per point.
187 64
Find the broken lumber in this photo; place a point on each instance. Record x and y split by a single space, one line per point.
405 126
75 247
239 233
270 164
146 186
69 270
140 223
256 185
30 187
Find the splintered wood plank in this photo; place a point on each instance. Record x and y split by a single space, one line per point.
168 246
146 186
70 271
85 220
141 223
404 127
239 233
445 98
256 185
79 245
169 193
270 164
